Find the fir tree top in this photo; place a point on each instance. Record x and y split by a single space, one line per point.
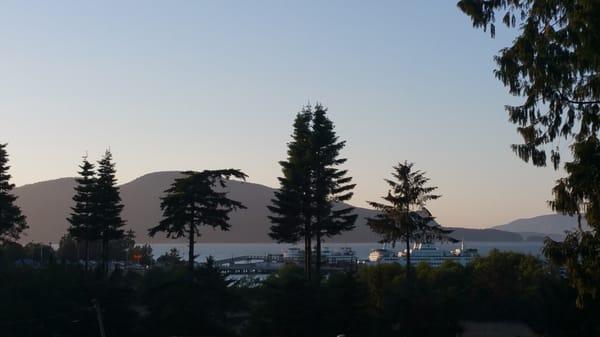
82 218
108 200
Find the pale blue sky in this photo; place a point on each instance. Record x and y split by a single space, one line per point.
193 85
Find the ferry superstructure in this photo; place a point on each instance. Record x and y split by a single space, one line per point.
423 252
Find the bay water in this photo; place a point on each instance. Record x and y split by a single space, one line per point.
227 250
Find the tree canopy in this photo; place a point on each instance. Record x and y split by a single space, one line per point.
308 204
83 218
192 201
107 205
554 65
404 217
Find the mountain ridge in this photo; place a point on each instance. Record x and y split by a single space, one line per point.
47 205
552 224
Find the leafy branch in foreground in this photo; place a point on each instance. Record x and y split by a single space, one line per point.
554 65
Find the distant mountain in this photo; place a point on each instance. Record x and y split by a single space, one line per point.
553 225
47 205
486 234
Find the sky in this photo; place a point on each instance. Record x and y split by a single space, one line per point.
192 85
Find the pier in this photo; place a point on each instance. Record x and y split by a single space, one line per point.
250 264
271 263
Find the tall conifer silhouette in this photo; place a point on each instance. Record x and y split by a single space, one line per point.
330 184
306 207
12 221
108 206
83 218
192 201
404 216
291 208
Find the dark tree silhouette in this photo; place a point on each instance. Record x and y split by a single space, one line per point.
108 206
170 258
554 64
141 254
404 216
307 203
291 208
83 218
330 185
181 303
575 195
192 202
12 221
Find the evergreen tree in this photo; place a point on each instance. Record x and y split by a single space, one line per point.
192 202
578 195
121 249
142 255
404 217
330 185
307 205
108 206
83 221
68 249
291 208
170 258
554 65
12 221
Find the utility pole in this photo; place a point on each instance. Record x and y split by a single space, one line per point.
99 317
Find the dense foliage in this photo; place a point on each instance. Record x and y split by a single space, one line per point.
72 250
56 300
554 65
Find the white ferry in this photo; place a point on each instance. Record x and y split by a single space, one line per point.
383 255
423 252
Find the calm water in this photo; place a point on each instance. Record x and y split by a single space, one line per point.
227 250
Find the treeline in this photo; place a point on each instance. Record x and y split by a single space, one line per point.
178 297
373 301
71 251
306 208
